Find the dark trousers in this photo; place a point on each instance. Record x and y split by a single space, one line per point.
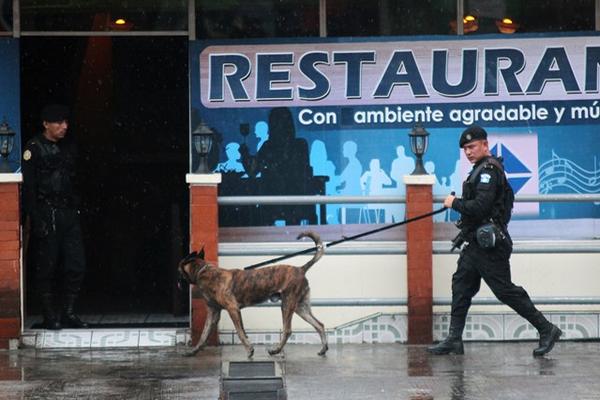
58 250
493 266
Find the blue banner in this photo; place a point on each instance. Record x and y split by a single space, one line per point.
332 117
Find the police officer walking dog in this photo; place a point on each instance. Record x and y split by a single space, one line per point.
485 210
51 204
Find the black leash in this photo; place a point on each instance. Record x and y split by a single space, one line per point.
347 238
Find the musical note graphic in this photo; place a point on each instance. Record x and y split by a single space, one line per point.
563 175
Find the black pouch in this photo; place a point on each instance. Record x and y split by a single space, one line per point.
487 236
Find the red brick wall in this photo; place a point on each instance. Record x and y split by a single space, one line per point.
419 237
10 281
204 231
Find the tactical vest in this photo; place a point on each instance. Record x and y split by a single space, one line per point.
503 204
55 171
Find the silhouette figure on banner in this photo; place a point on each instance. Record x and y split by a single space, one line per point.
372 183
282 168
322 167
401 165
348 182
438 189
233 163
261 131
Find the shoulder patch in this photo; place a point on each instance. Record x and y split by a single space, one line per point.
27 155
485 178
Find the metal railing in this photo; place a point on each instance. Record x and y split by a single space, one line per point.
319 199
591 245
438 301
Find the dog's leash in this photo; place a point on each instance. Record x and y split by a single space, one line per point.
347 238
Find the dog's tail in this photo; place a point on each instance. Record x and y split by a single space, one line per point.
320 248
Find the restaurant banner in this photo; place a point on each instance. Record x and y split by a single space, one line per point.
336 113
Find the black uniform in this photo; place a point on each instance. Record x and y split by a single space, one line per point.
482 202
50 200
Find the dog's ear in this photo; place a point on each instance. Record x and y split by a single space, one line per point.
200 253
189 258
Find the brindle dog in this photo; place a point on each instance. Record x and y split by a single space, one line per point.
234 289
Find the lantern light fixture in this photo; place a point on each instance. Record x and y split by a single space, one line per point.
419 140
7 142
202 140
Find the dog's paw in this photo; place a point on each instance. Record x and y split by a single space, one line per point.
250 352
323 351
190 353
274 351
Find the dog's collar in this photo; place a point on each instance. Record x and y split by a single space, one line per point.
200 271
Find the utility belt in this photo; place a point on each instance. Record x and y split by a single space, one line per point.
487 236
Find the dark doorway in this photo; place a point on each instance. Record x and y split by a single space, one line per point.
129 116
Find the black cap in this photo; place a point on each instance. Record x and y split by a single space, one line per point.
55 113
474 132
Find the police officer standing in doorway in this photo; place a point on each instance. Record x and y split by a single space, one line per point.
51 203
485 211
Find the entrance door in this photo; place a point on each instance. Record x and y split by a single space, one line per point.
129 116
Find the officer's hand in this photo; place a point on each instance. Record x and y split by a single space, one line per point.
448 201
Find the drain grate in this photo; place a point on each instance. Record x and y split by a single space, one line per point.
275 395
260 380
251 369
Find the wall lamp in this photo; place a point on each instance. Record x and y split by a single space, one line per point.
419 140
202 139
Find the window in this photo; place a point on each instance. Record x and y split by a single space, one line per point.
494 16
386 17
239 19
96 15
5 17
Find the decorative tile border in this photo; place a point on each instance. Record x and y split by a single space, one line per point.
392 328
105 338
375 328
510 326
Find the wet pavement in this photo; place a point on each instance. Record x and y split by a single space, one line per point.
495 371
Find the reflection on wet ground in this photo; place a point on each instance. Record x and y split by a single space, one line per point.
492 371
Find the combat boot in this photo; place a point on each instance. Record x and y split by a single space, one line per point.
549 333
452 344
69 319
548 337
51 320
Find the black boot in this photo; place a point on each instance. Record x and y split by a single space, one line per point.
548 337
453 342
51 320
549 333
69 319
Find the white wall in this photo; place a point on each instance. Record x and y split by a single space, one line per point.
363 276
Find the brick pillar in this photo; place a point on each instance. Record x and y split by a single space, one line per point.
10 259
204 231
419 237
